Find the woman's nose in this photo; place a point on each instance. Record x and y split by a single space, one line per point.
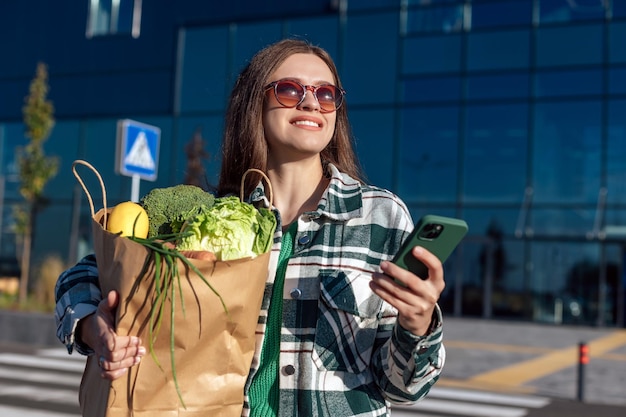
310 100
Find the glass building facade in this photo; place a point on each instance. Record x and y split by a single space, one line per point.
510 114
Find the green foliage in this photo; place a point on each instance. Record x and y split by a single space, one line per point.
169 207
35 168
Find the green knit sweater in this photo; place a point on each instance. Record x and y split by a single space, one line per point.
263 394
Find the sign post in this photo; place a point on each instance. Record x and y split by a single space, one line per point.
137 153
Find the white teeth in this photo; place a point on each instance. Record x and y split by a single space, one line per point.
306 123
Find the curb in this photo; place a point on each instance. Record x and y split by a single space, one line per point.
28 328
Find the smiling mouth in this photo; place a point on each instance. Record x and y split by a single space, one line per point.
305 123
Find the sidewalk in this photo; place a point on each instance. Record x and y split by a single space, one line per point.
485 355
570 408
536 359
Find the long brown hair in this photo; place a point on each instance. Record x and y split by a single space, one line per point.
244 145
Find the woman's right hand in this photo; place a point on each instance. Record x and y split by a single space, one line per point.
115 353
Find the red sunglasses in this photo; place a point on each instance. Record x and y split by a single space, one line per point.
290 93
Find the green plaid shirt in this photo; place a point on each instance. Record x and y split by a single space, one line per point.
342 353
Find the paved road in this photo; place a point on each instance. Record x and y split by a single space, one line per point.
39 382
535 359
461 402
44 383
494 369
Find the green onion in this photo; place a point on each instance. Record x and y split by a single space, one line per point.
167 278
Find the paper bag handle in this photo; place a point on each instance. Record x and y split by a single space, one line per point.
104 194
82 184
267 180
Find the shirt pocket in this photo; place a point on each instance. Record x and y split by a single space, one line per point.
346 323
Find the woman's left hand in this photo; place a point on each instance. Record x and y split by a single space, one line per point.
413 297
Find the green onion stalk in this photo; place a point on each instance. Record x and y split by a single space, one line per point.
167 280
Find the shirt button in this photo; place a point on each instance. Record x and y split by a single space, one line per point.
303 240
295 293
289 370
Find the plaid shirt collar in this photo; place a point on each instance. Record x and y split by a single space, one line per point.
342 200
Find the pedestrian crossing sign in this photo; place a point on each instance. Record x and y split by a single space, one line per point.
137 149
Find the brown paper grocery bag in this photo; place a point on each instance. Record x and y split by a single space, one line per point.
213 347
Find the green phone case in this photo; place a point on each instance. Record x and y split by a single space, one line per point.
439 235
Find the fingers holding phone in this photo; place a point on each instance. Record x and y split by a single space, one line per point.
430 268
414 280
415 299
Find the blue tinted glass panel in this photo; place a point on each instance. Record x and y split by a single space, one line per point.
142 92
12 139
556 272
572 45
499 50
501 13
568 83
429 154
58 224
432 2
64 144
432 55
374 145
618 8
322 31
616 152
125 17
615 218
369 4
432 89
249 38
497 86
566 151
13 94
496 223
210 129
444 18
99 149
552 11
495 226
617 80
495 152
370 57
204 69
562 221
617 45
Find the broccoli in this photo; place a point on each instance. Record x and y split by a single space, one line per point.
169 207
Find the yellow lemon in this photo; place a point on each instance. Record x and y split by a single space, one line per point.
122 220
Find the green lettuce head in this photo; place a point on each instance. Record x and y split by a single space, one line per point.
230 229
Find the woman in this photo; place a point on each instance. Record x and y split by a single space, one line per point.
342 330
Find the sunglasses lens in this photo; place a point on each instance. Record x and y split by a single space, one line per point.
288 93
329 97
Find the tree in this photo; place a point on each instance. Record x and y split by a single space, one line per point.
35 168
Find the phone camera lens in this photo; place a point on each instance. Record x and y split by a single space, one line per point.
433 230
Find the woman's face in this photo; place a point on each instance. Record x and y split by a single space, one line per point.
302 131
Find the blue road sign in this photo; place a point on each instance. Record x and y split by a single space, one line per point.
137 149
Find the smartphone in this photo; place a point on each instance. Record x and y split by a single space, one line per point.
439 235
